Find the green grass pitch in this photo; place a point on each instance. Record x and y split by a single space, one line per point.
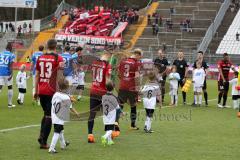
181 133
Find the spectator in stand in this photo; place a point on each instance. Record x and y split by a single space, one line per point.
172 10
54 20
24 27
10 26
6 27
19 30
237 36
160 20
1 26
169 24
188 22
156 18
136 16
232 7
156 29
181 26
30 27
185 26
153 28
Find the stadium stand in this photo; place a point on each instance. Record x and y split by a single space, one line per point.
199 15
230 43
44 36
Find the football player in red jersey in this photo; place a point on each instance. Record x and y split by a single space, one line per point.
224 67
101 72
129 74
48 68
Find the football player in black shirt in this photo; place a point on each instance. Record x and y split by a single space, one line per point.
205 67
161 63
182 69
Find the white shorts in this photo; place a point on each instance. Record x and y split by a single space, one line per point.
5 82
197 89
56 120
110 118
70 79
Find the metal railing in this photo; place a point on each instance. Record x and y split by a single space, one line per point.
214 26
47 22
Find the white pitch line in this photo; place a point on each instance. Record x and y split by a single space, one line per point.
37 125
17 128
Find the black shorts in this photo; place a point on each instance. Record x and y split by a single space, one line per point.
58 128
109 127
235 97
125 96
80 87
95 103
22 90
223 86
149 112
46 103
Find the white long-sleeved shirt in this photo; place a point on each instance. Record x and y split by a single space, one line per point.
173 80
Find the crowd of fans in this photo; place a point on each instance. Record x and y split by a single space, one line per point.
21 29
8 27
98 22
25 28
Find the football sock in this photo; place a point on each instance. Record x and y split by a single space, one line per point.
62 140
224 99
172 99
23 97
184 95
42 127
195 99
109 137
90 126
91 121
19 96
176 99
33 91
54 141
219 98
133 116
206 97
148 123
235 104
10 96
47 129
108 134
200 99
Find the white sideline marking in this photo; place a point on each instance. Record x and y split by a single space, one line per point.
17 128
37 125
